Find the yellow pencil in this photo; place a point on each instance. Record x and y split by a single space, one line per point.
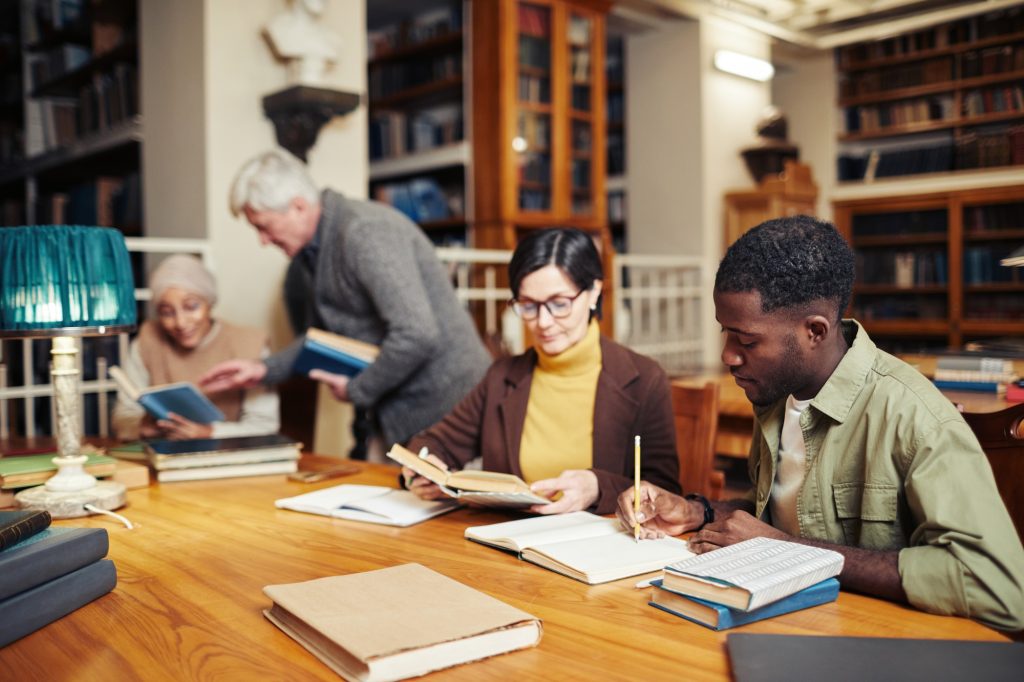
636 487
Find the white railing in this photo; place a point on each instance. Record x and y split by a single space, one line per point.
657 302
26 391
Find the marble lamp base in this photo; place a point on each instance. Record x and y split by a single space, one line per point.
71 504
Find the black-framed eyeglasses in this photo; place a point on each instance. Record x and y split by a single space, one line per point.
558 306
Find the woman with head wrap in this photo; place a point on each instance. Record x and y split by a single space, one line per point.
182 341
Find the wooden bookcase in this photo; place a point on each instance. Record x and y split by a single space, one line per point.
615 112
81 129
928 272
944 99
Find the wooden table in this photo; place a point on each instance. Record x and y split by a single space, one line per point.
189 597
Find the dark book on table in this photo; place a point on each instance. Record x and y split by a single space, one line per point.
333 353
182 398
32 609
245 454
49 554
720 617
783 658
16 526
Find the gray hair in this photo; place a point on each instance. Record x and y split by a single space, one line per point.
270 181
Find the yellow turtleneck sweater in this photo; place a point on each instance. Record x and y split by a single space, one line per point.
559 430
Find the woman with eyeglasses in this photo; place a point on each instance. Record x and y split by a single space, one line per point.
563 415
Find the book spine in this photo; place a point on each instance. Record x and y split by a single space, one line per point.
153 407
25 528
27 612
979 386
49 556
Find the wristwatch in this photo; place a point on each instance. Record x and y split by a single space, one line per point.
709 512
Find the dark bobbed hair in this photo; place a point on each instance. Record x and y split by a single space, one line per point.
568 248
791 262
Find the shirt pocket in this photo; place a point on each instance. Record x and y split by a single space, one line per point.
868 514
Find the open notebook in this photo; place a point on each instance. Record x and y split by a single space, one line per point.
370 503
581 545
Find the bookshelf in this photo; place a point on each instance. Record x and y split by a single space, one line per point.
928 272
12 120
615 82
948 98
81 132
420 157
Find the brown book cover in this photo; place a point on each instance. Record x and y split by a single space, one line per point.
15 526
397 622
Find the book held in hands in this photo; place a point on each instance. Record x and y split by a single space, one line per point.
370 503
183 399
487 488
397 622
752 573
333 353
581 545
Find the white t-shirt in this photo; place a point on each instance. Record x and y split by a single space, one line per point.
790 470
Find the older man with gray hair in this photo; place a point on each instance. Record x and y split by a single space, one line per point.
375 278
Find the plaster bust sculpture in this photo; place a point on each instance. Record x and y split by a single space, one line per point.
296 37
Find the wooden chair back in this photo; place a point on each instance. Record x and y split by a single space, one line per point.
696 419
1002 438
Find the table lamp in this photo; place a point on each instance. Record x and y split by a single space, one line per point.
63 281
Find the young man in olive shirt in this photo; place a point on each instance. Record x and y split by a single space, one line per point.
853 449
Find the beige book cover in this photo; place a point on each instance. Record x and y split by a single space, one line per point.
397 622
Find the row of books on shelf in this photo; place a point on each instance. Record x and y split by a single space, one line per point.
876 117
614 64
534 129
47 572
992 60
48 16
578 34
932 221
534 21
580 174
579 65
422 199
106 201
615 107
580 97
990 25
582 137
616 144
534 88
616 207
396 133
904 269
534 53
47 66
993 100
534 199
900 308
12 142
419 29
979 148
893 78
981 264
535 167
1007 305
390 78
994 217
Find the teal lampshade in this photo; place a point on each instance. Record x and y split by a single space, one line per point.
64 279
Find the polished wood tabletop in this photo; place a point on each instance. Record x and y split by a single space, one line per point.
189 599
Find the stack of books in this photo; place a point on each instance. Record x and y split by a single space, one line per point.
747 582
203 458
46 572
974 373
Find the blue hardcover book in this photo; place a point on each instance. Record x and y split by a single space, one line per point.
979 386
30 610
49 554
333 353
182 398
719 617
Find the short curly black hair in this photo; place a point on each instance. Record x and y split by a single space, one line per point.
790 261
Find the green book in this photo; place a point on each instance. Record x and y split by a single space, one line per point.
22 472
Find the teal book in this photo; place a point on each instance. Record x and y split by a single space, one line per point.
978 386
26 612
333 353
47 555
719 617
182 398
16 526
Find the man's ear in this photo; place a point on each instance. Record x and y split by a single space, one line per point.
817 328
299 204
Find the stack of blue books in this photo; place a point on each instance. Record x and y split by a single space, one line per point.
47 572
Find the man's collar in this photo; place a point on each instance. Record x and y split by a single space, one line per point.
836 397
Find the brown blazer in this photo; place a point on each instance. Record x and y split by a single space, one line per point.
632 398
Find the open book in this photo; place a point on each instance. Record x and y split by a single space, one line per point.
183 399
371 503
581 545
487 488
752 573
397 622
333 353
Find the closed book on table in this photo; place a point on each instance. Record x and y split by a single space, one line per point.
30 610
397 622
719 617
29 470
369 503
752 573
16 526
200 473
581 545
49 554
333 353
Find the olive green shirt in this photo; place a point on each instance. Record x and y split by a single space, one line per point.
891 465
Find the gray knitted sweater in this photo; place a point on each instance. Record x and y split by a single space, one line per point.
378 280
